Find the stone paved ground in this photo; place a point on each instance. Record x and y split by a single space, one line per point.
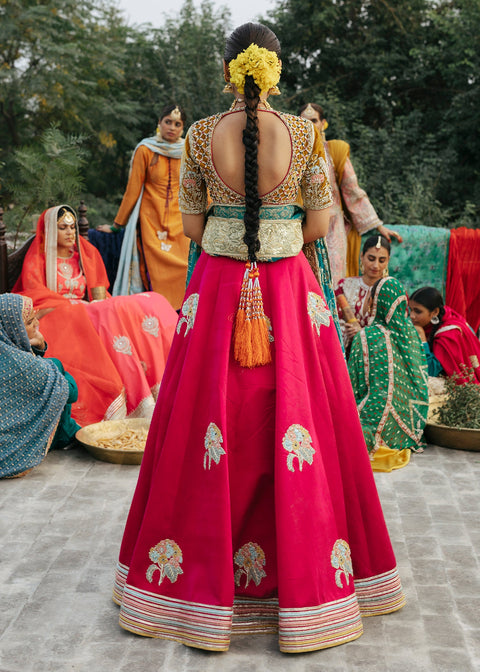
60 531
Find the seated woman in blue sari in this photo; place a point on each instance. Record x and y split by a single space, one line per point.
35 393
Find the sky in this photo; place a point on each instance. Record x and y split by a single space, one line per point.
154 11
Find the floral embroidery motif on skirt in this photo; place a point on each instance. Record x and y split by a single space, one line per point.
150 325
298 443
318 311
167 558
122 344
213 447
250 558
189 312
341 561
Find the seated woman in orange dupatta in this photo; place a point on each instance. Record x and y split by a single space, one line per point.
115 348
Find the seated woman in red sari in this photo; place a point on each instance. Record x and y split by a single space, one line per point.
449 342
115 348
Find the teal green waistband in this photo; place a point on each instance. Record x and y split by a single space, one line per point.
266 211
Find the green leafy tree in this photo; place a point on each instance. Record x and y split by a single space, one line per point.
62 63
49 172
190 51
398 80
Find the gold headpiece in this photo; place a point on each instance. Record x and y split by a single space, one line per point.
263 65
379 243
66 218
309 112
175 113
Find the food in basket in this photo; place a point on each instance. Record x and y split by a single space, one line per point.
129 439
117 435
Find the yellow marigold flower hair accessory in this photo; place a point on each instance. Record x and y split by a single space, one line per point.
263 65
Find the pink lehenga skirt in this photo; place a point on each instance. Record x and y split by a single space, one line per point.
255 508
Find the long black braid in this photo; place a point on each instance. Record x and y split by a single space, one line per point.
239 40
250 139
430 298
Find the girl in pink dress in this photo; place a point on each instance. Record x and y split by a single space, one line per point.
255 508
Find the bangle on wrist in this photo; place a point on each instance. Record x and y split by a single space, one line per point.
114 228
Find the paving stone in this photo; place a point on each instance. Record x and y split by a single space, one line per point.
459 555
430 574
434 599
464 582
416 523
423 547
445 629
469 611
451 660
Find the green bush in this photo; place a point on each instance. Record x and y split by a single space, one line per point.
462 406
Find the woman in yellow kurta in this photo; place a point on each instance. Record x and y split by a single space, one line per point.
352 213
155 250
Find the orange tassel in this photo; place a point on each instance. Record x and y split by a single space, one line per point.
251 345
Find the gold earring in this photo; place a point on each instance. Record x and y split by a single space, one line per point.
274 91
228 88
362 270
385 272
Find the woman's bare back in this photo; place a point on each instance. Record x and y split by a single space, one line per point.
274 151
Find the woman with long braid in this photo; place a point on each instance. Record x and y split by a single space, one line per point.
255 509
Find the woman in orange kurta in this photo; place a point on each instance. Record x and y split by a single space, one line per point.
155 250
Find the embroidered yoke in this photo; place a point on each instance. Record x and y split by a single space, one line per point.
308 170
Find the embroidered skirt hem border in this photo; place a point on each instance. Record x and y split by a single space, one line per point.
300 629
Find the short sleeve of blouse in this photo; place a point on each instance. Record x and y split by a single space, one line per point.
192 196
315 186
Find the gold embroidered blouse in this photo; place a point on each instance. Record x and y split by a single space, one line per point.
308 171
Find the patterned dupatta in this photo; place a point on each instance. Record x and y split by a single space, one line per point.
388 371
33 393
172 150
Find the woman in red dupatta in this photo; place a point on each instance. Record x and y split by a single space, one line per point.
115 348
449 341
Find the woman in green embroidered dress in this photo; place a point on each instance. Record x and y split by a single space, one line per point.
388 371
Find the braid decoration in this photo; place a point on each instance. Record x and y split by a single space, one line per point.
251 345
